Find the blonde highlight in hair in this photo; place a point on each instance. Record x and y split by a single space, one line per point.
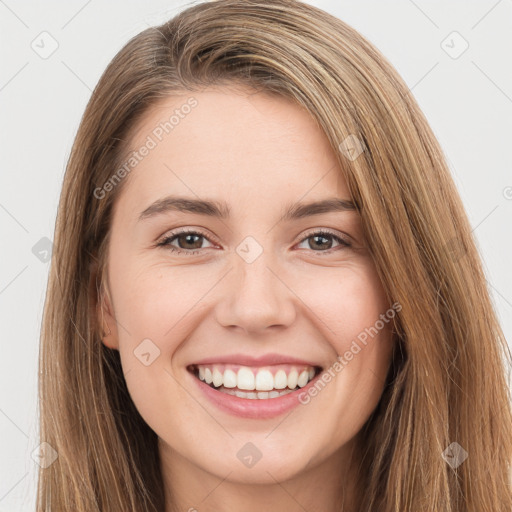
447 382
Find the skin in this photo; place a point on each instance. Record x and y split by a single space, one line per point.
258 153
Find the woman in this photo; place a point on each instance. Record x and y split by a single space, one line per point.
264 292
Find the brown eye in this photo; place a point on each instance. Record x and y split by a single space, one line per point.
189 241
186 242
323 241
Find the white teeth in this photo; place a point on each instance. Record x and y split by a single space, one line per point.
229 379
280 379
217 378
245 379
303 379
264 381
293 377
261 395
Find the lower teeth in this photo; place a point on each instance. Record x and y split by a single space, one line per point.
254 395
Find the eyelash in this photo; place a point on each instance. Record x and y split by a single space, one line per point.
166 242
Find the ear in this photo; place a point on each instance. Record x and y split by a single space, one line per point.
107 322
105 313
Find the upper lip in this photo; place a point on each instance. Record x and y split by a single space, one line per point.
264 360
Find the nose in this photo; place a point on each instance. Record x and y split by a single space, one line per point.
254 298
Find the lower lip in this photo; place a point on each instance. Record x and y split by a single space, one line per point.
253 408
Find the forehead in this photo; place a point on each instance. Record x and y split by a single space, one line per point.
225 141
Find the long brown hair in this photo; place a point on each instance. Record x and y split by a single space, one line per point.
447 383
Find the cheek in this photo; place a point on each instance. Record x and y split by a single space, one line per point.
346 301
153 309
350 308
156 308
153 301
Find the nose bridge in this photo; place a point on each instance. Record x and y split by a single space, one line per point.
255 298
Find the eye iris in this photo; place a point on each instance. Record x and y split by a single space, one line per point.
325 238
189 239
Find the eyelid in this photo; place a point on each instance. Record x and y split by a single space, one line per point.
189 230
327 231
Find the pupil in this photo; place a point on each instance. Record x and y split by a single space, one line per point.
189 240
317 237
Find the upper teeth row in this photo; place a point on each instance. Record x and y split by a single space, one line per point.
263 380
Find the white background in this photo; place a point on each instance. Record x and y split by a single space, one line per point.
468 102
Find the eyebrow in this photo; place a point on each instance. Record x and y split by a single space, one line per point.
221 210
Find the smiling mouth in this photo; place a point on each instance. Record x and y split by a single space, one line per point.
253 383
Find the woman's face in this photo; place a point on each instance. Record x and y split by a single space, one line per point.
262 292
